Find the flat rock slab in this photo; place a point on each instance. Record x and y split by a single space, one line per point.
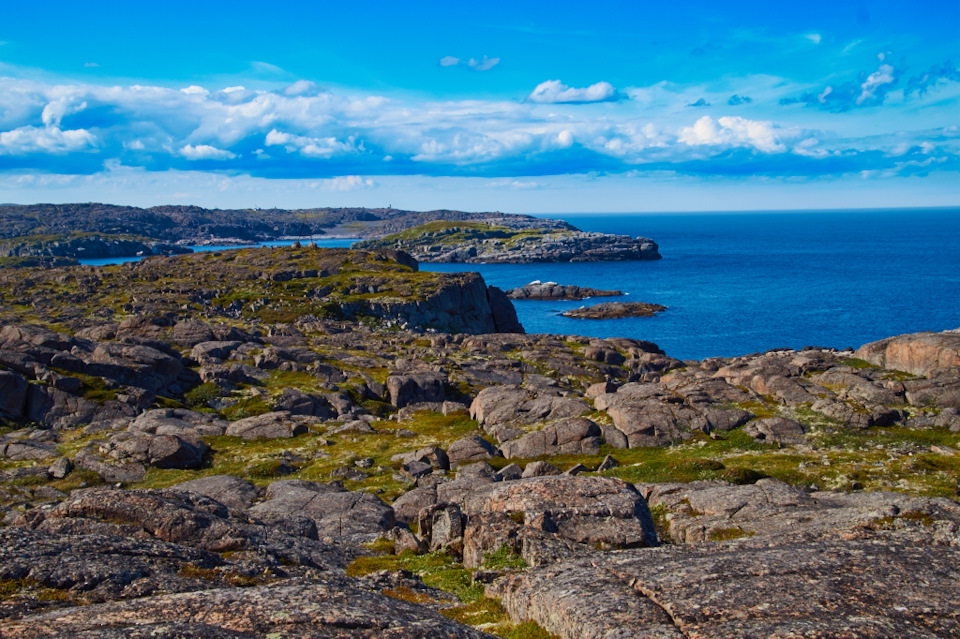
861 588
615 310
334 608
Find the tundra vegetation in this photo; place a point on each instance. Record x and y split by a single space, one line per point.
385 452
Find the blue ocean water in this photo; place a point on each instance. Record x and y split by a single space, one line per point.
738 283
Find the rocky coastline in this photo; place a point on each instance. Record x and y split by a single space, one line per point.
180 462
483 243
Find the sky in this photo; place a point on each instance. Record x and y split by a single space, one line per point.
513 106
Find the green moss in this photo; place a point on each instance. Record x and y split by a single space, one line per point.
202 395
854 362
725 534
504 559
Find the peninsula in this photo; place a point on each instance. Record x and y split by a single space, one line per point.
485 243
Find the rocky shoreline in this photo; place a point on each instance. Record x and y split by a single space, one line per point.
195 465
483 243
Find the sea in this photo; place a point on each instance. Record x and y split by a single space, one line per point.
743 282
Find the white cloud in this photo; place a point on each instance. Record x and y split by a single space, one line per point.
195 90
91 65
348 183
484 64
813 37
49 139
555 92
883 75
205 152
267 68
733 131
58 109
302 87
310 146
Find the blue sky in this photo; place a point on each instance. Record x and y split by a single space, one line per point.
522 107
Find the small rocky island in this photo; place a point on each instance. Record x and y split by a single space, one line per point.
547 291
302 442
485 243
615 310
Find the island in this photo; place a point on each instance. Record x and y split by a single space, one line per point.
546 291
615 310
298 441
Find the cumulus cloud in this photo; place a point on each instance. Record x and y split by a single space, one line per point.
302 87
303 132
483 64
205 152
49 139
737 100
57 109
555 92
701 102
874 84
733 131
309 146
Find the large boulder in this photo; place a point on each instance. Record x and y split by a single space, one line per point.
267 426
513 404
543 518
572 436
916 353
355 517
232 492
414 388
161 451
13 394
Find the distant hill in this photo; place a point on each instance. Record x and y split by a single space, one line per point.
193 224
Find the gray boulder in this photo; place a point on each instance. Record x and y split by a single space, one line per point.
354 517
267 426
232 492
470 449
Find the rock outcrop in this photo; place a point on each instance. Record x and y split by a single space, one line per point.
552 291
615 310
917 353
479 243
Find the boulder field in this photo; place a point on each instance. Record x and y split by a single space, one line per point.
187 472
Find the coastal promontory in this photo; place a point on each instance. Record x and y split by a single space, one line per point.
483 243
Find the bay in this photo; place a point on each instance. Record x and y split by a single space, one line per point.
737 283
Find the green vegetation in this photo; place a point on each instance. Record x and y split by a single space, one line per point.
443 571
